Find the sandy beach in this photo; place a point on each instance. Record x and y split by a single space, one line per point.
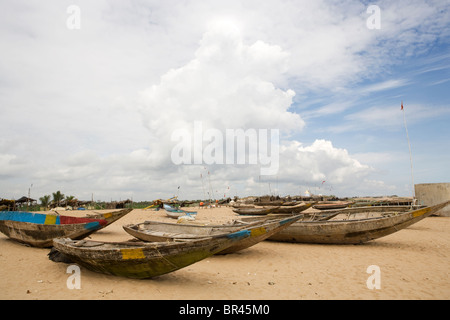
413 264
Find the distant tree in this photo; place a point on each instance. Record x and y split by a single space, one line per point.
70 200
45 201
57 197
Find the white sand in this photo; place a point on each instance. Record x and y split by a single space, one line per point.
414 264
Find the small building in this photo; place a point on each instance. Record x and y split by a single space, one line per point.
430 194
25 200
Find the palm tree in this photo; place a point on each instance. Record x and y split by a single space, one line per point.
45 200
69 200
57 197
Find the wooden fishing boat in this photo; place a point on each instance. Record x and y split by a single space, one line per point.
144 259
332 205
273 209
312 216
293 209
38 230
255 211
369 211
161 231
353 231
110 217
176 213
274 203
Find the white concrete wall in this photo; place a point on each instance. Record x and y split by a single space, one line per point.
434 193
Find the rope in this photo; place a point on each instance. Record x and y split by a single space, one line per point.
165 259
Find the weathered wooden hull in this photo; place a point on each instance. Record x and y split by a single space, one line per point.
110 217
329 206
352 231
369 209
315 216
254 211
293 209
38 230
270 203
261 233
144 260
156 231
176 213
260 230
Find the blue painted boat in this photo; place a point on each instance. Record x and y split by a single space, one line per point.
176 213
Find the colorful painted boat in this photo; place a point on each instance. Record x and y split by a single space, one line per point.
353 231
110 217
161 231
176 213
39 230
144 259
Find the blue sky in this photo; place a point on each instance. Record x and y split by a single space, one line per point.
91 108
380 140
367 121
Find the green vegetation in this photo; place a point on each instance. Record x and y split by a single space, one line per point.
45 201
57 198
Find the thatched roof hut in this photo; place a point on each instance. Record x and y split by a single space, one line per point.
25 200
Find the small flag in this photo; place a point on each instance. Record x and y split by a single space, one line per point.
402 105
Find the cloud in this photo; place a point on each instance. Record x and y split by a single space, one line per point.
318 162
385 85
228 85
387 117
75 119
11 165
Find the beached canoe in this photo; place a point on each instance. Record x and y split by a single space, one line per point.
176 213
144 259
255 211
273 209
327 205
369 211
110 217
353 231
161 231
275 203
312 216
293 209
38 230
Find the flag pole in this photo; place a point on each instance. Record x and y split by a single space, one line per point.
410 154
